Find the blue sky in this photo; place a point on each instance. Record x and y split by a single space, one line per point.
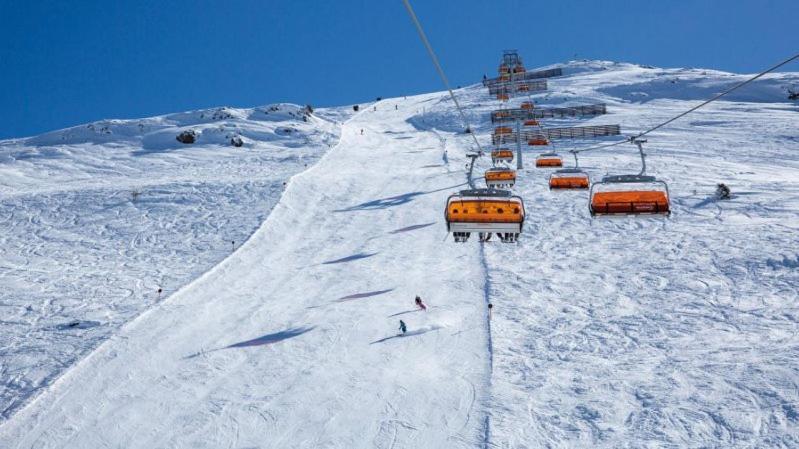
68 63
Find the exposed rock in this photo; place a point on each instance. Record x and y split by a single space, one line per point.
187 137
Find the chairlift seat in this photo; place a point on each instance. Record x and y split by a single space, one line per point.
502 154
538 142
500 177
569 178
549 160
484 210
629 195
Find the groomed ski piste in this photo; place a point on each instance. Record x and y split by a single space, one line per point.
605 332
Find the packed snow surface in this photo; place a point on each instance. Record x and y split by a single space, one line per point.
607 332
95 219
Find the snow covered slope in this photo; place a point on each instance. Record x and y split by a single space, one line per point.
94 219
630 332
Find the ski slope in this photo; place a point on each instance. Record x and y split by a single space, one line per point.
95 219
627 332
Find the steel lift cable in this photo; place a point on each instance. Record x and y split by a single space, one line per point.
440 70
704 103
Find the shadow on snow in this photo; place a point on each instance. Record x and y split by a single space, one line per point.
349 258
421 331
393 201
412 228
267 339
363 295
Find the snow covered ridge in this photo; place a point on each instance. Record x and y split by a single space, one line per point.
215 126
94 219
641 83
155 140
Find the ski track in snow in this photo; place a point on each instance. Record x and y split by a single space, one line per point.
327 387
618 332
81 255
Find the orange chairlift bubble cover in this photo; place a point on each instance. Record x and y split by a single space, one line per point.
484 211
537 142
531 123
500 175
504 68
499 130
523 88
504 97
569 182
502 114
528 105
549 162
636 201
502 153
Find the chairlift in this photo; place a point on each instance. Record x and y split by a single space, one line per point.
500 177
528 105
531 123
630 194
503 130
501 154
538 142
485 211
569 178
549 160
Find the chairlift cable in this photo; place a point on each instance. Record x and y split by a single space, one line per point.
737 86
440 70
704 103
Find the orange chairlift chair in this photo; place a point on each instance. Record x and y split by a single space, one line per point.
485 211
548 160
527 105
569 178
630 194
501 155
538 142
500 177
502 114
503 130
532 122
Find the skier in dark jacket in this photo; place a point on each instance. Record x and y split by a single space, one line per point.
722 192
420 304
403 328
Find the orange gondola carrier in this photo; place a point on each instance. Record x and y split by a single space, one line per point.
484 211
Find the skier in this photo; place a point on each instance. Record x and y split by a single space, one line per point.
420 304
722 191
403 328
361 131
490 309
